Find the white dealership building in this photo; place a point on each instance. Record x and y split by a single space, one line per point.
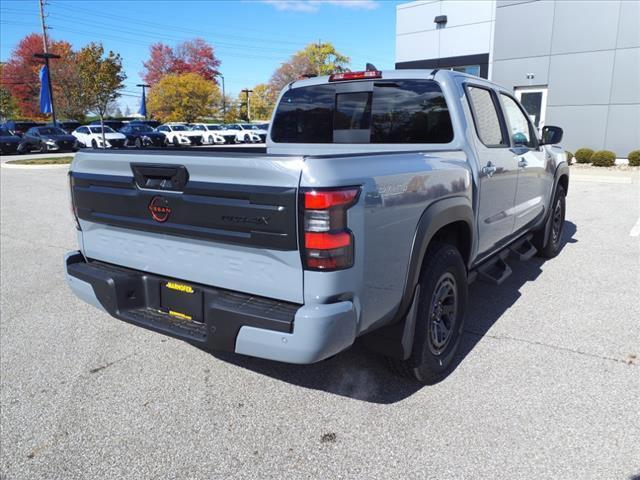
573 63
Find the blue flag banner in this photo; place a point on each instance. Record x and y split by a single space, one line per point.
143 105
45 96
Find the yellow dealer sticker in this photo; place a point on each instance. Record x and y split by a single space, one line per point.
179 287
182 316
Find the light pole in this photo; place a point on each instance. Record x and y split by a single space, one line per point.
46 56
143 107
246 91
224 98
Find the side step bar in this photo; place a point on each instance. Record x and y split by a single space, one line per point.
523 249
496 270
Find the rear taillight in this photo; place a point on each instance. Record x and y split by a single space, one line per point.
327 243
74 210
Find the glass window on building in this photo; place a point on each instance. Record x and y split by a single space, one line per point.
470 69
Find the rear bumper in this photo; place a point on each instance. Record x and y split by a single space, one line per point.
232 321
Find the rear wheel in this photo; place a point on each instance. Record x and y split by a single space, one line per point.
138 142
440 317
176 142
549 246
94 144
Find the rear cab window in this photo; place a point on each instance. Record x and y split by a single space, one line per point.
382 111
484 110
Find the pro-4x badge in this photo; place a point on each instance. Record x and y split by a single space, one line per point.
160 209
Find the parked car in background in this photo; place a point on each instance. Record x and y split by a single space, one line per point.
47 139
114 124
67 125
141 135
91 136
8 141
151 123
19 127
230 136
211 133
256 128
243 135
178 134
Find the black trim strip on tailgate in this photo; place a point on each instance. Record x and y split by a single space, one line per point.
258 216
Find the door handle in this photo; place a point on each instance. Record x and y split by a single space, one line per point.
160 177
489 169
522 162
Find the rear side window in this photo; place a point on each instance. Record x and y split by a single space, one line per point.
485 117
401 111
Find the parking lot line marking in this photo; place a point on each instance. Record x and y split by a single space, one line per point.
635 231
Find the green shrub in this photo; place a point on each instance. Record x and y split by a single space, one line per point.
603 158
634 158
583 155
569 156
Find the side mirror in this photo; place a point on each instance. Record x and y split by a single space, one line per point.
519 139
551 135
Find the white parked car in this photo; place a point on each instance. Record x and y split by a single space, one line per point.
178 134
211 133
245 133
91 136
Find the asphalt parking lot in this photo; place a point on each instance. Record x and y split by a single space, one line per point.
547 385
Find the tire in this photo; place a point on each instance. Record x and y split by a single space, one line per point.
176 142
549 247
138 143
440 317
94 144
211 140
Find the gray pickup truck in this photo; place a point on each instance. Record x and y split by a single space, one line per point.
382 195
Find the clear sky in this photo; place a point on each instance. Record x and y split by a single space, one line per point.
251 38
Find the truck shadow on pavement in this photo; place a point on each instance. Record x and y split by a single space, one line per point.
362 375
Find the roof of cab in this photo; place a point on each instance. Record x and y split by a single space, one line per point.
418 74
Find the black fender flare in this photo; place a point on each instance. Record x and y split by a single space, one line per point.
561 170
396 338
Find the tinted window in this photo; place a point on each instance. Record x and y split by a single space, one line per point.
140 128
485 116
214 127
410 111
520 130
99 130
403 111
50 131
22 126
179 128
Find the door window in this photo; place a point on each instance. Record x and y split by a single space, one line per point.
485 117
521 131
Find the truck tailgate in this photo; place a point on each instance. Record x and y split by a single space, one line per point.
228 220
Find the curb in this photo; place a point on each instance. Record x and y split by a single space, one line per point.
34 167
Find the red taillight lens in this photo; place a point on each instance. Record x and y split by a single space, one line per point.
327 244
341 77
326 241
320 200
